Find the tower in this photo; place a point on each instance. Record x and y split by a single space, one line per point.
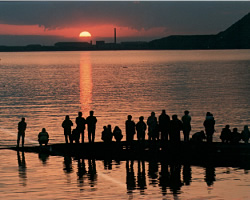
115 35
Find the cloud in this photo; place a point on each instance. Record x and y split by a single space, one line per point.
179 17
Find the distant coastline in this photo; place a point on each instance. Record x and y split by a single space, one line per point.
236 36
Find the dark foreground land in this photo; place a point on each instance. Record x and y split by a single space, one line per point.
216 154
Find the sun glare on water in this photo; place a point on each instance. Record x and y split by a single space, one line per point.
85 34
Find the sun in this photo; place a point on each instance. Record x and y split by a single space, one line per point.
85 34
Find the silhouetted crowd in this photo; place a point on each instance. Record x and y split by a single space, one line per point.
163 129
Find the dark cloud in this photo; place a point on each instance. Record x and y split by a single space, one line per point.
177 17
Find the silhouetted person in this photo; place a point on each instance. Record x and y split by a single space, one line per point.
235 136
175 128
130 130
186 120
91 121
245 134
117 133
75 136
21 131
141 129
67 123
164 125
225 134
198 136
209 126
43 137
106 135
152 126
80 125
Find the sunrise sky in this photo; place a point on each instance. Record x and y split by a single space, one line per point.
46 23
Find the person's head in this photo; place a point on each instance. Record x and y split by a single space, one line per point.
174 117
67 117
141 118
109 127
227 126
129 117
43 130
208 114
246 128
152 114
186 112
163 112
104 127
235 130
79 114
91 113
23 119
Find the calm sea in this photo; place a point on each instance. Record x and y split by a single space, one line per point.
43 87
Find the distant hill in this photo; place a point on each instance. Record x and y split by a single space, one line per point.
236 36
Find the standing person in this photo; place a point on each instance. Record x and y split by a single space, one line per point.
175 128
67 123
152 126
164 125
245 134
91 121
186 120
21 131
130 130
43 137
209 126
141 129
80 125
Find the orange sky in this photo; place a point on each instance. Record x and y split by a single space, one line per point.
95 31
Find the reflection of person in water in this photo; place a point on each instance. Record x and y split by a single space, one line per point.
81 171
92 175
130 178
141 176
153 172
43 157
175 178
210 175
164 177
187 174
67 164
22 167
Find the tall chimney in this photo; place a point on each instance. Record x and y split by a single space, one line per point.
115 35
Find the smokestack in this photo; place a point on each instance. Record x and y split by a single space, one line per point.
115 35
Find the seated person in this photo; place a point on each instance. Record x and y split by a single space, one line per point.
198 137
75 136
235 137
117 133
106 135
225 134
43 137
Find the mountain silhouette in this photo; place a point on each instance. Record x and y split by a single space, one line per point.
236 36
